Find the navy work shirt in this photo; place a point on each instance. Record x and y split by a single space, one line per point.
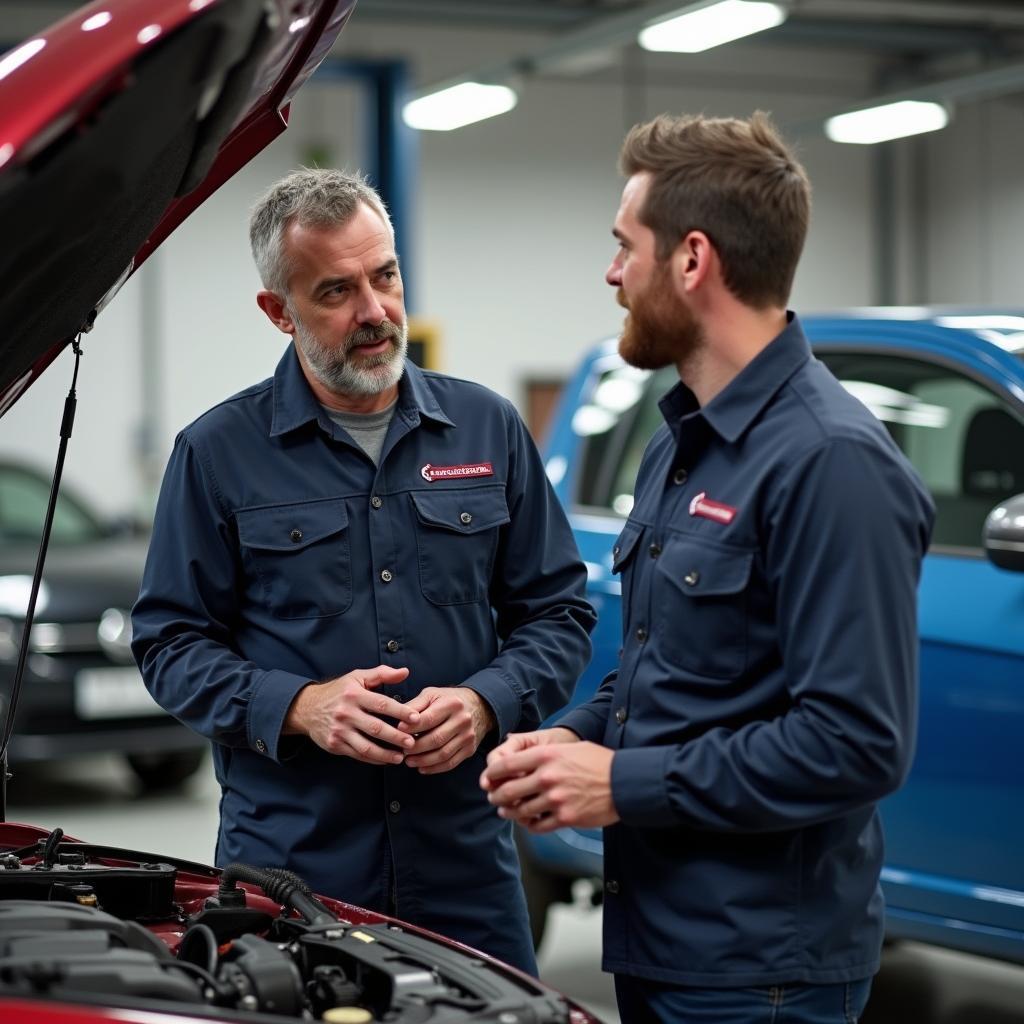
281 555
766 694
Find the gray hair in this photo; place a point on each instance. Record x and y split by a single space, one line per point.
312 197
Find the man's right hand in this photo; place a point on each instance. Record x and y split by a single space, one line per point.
343 715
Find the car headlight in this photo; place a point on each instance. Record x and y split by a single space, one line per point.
15 592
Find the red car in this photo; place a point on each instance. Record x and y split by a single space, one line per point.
115 125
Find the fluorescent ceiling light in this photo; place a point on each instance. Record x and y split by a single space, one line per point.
889 121
457 106
711 26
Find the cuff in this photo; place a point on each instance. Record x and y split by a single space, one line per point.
587 723
268 705
502 697
639 791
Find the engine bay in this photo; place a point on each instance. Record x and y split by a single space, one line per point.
99 926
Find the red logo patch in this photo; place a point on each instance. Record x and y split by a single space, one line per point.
431 473
703 506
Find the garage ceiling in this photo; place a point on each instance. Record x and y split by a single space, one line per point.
957 49
943 50
913 39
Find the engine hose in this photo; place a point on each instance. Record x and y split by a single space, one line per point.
281 886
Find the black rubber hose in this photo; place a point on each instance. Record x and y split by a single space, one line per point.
281 886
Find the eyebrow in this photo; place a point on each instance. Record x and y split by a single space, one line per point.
619 235
334 282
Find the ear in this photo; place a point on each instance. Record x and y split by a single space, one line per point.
692 261
277 312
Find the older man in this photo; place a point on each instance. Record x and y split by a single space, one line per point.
359 581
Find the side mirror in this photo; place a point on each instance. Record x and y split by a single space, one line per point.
1003 534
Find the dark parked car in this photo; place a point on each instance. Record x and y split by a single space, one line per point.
82 692
114 126
949 386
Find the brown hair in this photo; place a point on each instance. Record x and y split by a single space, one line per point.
736 181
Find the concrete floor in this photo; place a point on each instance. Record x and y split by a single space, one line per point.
96 799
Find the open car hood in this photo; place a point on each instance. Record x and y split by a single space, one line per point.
95 935
115 124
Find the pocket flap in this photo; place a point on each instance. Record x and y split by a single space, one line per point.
291 527
703 571
462 511
624 545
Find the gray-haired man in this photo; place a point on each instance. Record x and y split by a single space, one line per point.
359 581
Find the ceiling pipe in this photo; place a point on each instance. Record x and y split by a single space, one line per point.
596 34
976 85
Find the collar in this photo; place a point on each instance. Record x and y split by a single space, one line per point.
738 404
295 404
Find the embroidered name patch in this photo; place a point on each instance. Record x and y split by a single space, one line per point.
703 506
431 473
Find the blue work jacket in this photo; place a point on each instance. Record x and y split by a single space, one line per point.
766 694
282 555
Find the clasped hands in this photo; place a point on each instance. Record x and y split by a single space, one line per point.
436 731
551 779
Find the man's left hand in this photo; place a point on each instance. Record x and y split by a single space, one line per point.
453 722
553 786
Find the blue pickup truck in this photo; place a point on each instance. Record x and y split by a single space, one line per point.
949 386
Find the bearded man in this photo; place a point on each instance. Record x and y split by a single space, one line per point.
359 581
765 697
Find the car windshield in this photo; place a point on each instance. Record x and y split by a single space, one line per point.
24 495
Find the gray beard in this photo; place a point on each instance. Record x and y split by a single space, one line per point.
371 376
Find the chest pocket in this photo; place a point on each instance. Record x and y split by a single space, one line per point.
625 545
700 606
456 538
622 564
300 554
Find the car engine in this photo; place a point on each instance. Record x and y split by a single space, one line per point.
94 925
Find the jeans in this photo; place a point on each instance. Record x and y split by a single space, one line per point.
649 1002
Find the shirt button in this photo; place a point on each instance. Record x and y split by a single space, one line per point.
611 886
465 518
392 645
261 746
692 578
654 550
296 536
621 715
386 575
376 501
679 476
641 634
394 807
616 550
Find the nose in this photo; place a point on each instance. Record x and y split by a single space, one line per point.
613 275
369 311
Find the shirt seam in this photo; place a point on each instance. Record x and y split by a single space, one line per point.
207 465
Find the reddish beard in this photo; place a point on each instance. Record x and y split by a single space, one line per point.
660 329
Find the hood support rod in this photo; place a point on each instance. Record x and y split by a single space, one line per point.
70 403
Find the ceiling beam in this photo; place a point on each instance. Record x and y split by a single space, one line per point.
949 11
977 85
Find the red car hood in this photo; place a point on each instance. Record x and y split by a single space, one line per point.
115 124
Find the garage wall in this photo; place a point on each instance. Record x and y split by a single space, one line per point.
511 236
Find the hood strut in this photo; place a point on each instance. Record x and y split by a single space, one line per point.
65 433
